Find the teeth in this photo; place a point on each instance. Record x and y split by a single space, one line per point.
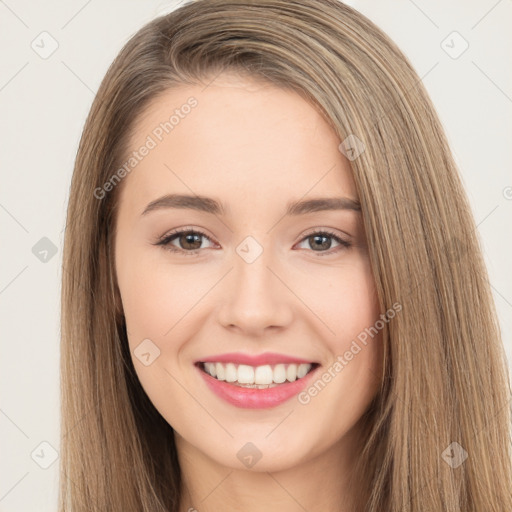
210 368
263 374
279 374
220 371
231 373
246 375
257 376
302 370
291 372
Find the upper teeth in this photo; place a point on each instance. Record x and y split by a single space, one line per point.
244 374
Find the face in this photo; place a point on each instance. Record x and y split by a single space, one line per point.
236 276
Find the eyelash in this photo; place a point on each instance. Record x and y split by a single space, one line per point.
166 240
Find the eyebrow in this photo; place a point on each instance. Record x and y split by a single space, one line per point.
209 205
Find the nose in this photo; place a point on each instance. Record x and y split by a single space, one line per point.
256 297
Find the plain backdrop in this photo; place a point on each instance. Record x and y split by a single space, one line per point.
54 57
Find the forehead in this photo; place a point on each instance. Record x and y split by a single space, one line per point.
235 137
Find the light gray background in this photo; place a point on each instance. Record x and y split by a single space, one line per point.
44 104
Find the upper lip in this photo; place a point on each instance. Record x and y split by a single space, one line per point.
269 358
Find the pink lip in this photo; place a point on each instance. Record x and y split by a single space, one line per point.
270 358
253 398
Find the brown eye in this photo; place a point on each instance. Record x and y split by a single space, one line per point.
321 241
189 241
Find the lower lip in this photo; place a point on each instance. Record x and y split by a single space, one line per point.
252 398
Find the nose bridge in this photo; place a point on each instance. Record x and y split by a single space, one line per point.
253 300
251 266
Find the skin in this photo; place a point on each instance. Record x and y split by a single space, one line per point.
297 298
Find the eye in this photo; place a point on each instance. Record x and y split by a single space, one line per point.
320 240
189 239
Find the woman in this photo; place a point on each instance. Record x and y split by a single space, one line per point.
274 294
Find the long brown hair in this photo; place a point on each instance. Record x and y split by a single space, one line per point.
445 377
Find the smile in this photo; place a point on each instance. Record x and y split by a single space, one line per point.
256 387
259 377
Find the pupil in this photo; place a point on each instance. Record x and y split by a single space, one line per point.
190 239
324 245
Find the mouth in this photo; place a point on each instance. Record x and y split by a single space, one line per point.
256 381
256 377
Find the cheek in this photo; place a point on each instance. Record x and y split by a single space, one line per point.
350 309
349 381
156 296
344 299
155 299
360 303
361 344
144 303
